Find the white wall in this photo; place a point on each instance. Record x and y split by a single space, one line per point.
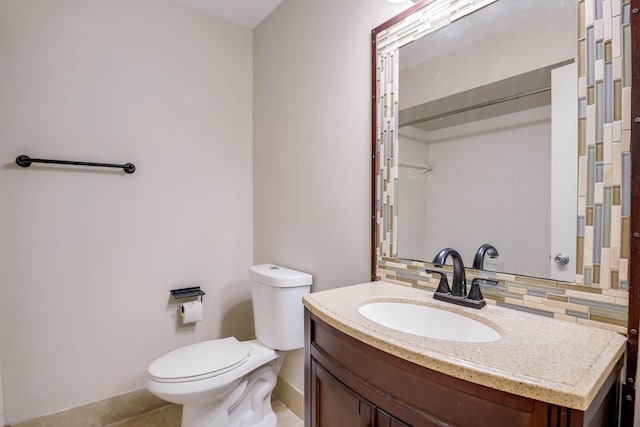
88 257
312 141
413 194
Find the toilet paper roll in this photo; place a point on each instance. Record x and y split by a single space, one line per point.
191 311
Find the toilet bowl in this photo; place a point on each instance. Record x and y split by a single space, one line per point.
226 382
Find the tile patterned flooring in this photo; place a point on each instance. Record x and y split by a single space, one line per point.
169 416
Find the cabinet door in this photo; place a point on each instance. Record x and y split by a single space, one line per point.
385 420
334 405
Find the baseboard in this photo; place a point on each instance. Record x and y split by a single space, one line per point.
101 413
128 405
290 396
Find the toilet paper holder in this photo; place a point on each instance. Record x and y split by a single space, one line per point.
193 291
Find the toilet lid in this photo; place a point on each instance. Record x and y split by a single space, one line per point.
201 360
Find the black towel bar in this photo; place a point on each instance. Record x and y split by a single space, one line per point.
25 162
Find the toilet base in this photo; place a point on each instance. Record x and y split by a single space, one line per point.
247 404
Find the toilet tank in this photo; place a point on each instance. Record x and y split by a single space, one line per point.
278 313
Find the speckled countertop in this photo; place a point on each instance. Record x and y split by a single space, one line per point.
551 360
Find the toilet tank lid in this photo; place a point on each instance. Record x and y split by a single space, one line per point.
281 277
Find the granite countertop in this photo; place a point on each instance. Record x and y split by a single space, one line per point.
546 359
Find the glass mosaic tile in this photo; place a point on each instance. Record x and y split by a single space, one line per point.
626 184
599 172
591 166
599 111
614 280
600 50
617 100
608 92
626 14
606 218
588 280
582 107
526 309
598 9
597 233
626 56
581 221
591 56
625 250
577 314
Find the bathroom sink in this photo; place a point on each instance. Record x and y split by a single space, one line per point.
428 322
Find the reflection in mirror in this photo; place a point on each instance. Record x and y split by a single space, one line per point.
488 153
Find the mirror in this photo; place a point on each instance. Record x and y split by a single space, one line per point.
485 148
516 134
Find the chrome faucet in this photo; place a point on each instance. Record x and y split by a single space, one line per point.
488 249
459 286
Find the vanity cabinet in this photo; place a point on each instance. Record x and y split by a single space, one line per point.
336 405
351 384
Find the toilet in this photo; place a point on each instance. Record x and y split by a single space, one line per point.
226 382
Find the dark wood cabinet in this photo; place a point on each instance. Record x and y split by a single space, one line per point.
335 405
351 384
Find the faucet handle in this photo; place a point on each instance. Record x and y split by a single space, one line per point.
443 286
486 281
475 294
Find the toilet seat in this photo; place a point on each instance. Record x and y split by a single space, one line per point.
200 361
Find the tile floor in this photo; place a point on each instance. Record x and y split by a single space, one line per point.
169 416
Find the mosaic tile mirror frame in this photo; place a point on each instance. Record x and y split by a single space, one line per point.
599 295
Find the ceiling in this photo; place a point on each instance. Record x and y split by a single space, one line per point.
248 13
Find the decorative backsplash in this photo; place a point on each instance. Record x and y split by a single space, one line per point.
561 300
604 134
599 294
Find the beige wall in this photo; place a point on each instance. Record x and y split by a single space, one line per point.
312 141
88 257
1 403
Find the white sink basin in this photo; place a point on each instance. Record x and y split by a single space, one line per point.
428 322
